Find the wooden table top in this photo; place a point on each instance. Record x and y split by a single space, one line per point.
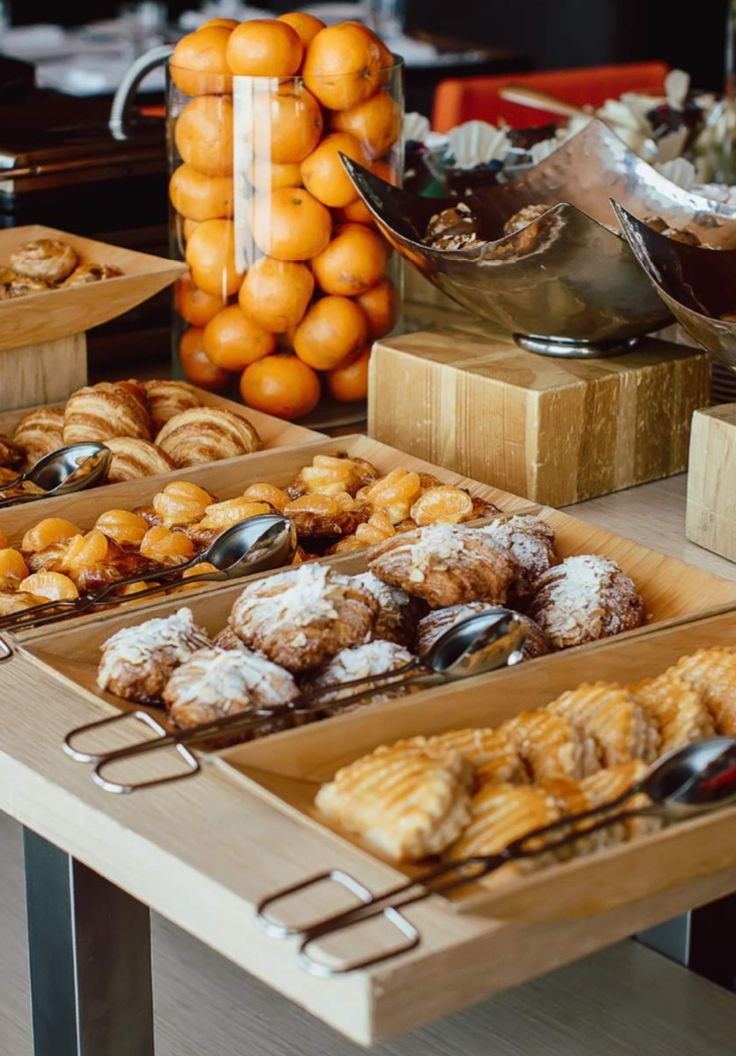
203 852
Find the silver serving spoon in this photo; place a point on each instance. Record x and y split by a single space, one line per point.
481 643
685 783
254 545
69 469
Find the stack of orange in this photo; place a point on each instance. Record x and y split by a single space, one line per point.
316 294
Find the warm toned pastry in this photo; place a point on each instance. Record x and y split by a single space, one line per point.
91 561
12 455
713 673
138 661
264 492
9 488
446 565
492 752
318 516
207 434
606 712
106 410
165 547
214 683
398 611
607 785
86 274
44 258
167 398
221 515
394 495
40 432
330 474
550 746
133 459
525 216
583 599
531 542
12 601
300 618
21 286
432 626
180 503
405 801
360 661
678 708
228 639
447 504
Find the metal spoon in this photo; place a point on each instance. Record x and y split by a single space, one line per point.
691 781
480 643
62 472
256 544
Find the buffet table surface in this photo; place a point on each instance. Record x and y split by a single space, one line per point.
201 853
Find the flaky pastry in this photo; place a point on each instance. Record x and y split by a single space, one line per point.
207 434
133 459
618 724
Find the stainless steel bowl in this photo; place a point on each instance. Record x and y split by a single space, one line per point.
568 283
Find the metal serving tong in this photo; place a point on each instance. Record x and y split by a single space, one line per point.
256 544
691 781
62 472
481 643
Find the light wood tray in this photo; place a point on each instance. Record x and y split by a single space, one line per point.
44 317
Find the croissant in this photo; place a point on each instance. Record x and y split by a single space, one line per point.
86 274
207 434
44 258
40 432
530 540
168 398
133 459
12 455
106 410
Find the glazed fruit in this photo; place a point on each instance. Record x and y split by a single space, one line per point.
267 493
84 552
275 293
232 339
353 262
442 505
12 567
181 503
394 494
333 330
166 547
48 531
52 586
122 526
221 515
281 385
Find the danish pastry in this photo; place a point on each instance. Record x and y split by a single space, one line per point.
86 274
168 398
405 801
40 432
181 503
432 626
138 661
530 540
678 708
44 258
583 599
550 746
608 784
330 474
300 618
361 661
619 726
713 673
397 613
12 601
207 434
106 410
492 753
216 682
133 458
447 504
317 515
446 565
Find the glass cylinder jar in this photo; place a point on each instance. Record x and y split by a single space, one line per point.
287 284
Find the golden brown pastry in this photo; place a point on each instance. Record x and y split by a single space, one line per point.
13 285
432 626
550 746
613 781
12 455
221 515
531 542
138 661
404 801
214 683
330 474
398 611
44 258
167 398
317 516
300 618
713 673
133 459
446 565
525 216
492 752
86 274
618 724
207 434
106 410
12 601
40 432
678 708
583 599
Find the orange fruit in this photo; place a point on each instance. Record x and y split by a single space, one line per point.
195 306
356 212
376 123
342 65
354 261
232 340
323 172
197 365
280 385
276 293
264 47
53 586
122 526
350 383
387 57
381 306
210 255
198 65
267 175
289 224
188 227
199 197
283 124
386 172
204 134
12 567
331 332
229 23
47 532
305 26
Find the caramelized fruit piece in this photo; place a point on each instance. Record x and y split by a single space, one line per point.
12 567
221 515
48 531
136 588
329 474
168 548
124 527
51 586
84 552
200 569
181 503
348 544
394 494
262 492
322 504
17 601
375 530
444 504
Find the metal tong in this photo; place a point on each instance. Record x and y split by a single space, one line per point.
691 781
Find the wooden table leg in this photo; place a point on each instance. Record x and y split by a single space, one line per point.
90 959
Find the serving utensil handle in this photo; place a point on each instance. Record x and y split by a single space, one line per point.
539 100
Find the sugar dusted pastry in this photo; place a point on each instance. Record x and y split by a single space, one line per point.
446 565
550 746
404 801
713 673
300 618
492 752
167 398
133 459
86 274
397 613
318 515
678 708
47 259
207 434
583 599
227 639
330 474
103 411
40 432
530 540
436 623
360 661
618 724
214 683
138 661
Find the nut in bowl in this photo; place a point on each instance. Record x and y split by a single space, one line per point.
286 285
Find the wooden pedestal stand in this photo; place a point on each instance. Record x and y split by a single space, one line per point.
43 373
